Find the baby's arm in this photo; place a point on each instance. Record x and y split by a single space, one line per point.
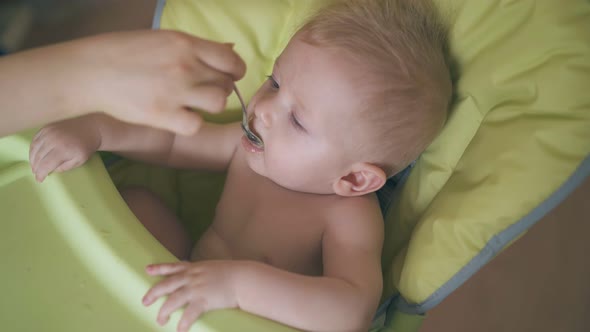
211 148
345 298
69 144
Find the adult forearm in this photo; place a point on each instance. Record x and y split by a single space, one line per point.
304 302
32 92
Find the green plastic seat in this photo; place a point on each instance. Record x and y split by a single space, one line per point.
517 142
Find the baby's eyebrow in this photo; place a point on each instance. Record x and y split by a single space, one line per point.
301 106
276 65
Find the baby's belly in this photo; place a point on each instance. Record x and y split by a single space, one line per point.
213 245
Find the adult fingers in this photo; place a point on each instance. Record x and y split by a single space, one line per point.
209 97
221 57
201 73
182 121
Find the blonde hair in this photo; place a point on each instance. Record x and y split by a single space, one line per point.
402 47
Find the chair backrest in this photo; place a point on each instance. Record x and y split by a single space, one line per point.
516 144
517 140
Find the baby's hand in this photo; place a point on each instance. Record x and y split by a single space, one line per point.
202 286
62 146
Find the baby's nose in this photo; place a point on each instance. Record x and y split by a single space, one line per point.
265 115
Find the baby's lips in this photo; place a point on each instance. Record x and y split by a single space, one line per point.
254 131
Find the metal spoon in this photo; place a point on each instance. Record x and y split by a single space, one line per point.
249 134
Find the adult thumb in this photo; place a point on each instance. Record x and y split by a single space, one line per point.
183 122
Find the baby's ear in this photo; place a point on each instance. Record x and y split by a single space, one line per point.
364 178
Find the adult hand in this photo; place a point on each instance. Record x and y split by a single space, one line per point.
146 77
155 77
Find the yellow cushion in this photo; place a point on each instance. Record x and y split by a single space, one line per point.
519 129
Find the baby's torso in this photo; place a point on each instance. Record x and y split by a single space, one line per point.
258 220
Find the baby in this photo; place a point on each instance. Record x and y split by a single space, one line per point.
358 93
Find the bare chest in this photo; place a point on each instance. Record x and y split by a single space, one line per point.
257 220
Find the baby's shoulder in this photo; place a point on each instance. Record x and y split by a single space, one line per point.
358 214
366 205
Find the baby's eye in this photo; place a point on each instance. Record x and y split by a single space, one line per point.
296 122
273 83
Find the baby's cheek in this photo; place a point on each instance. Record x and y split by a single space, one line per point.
283 168
285 171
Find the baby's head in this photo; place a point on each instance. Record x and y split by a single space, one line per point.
358 93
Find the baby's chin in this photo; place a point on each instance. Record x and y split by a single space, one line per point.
285 179
299 187
293 184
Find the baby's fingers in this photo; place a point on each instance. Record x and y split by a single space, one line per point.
67 165
175 301
47 165
190 315
164 287
39 165
36 143
165 268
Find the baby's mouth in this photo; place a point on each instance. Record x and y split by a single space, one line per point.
253 136
255 132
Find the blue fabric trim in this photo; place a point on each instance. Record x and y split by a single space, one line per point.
383 307
499 241
158 14
380 318
392 188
